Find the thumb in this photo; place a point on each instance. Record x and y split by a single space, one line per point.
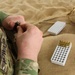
19 30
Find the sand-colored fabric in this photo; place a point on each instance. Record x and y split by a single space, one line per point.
44 13
48 68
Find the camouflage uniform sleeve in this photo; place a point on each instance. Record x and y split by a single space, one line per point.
26 67
22 66
2 16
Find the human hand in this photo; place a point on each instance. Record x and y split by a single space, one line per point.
28 42
10 21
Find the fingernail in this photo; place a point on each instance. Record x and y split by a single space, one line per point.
18 27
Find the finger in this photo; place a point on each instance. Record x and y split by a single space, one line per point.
20 30
41 33
26 26
11 24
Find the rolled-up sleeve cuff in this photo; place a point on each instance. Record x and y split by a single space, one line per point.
26 66
2 16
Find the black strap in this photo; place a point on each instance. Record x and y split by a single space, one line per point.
11 39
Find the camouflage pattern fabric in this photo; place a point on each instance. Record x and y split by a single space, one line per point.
6 62
2 16
26 67
22 66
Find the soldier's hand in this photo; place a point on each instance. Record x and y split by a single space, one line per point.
29 40
10 21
